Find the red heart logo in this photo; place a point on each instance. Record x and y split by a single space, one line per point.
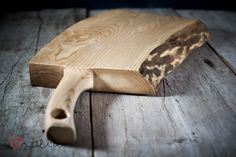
15 141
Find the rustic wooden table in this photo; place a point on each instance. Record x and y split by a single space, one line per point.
194 114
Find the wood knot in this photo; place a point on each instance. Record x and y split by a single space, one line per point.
208 62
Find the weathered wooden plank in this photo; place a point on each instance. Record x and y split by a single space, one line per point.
164 11
206 100
23 106
16 47
12 46
58 21
193 116
222 27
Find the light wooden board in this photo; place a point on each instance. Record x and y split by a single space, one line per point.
194 114
23 106
145 46
143 55
222 27
196 117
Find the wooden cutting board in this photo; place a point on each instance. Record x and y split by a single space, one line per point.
116 51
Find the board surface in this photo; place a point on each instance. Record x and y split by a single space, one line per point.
127 51
195 121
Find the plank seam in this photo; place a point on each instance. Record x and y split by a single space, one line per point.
9 78
221 58
90 102
87 13
39 30
214 50
91 121
165 84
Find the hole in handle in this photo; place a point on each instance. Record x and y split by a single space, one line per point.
61 135
59 114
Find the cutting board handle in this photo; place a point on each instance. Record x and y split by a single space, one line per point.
59 117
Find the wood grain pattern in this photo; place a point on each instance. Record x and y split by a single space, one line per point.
222 27
191 116
22 107
163 59
194 115
59 116
145 46
134 39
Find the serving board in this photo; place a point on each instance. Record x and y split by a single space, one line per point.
116 51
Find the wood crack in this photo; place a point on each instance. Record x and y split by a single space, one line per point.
38 32
165 108
125 129
91 121
9 78
224 103
191 133
9 74
222 59
24 49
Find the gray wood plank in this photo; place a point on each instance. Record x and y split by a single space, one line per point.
223 33
23 106
193 115
12 46
57 21
164 11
